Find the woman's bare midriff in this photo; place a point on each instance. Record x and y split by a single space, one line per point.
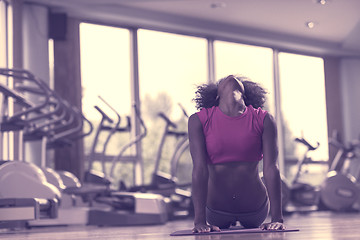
235 187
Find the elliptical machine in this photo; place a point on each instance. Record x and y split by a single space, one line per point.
112 207
166 184
109 125
25 193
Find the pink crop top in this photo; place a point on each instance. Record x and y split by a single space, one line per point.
230 139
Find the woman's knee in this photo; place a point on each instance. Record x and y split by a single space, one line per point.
220 220
223 225
251 224
254 221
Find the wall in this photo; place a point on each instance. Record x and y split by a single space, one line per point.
333 98
350 88
35 59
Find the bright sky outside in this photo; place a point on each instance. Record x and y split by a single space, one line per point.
105 68
174 64
303 100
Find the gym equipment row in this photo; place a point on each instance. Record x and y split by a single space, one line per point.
178 199
47 120
33 195
54 122
148 208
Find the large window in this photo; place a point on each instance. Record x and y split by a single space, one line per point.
252 62
170 66
303 105
105 72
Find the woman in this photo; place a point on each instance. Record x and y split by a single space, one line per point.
228 137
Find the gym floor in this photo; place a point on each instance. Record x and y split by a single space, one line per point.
315 225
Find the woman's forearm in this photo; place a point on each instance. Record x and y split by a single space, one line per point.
273 185
199 196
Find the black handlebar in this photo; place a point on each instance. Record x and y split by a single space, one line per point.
18 97
183 110
104 115
167 120
307 144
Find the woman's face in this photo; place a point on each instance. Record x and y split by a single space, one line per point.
232 86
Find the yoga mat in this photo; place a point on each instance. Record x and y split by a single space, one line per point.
231 231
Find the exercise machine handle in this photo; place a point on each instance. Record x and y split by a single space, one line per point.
17 96
167 120
137 139
72 129
113 109
24 75
88 132
307 144
183 110
104 115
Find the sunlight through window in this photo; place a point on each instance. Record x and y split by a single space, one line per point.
303 103
105 72
170 67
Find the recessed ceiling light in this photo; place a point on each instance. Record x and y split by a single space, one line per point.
322 2
310 24
218 5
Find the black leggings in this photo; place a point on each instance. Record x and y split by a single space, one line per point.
248 220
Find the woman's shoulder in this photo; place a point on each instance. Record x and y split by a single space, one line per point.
207 110
204 114
194 119
269 120
258 112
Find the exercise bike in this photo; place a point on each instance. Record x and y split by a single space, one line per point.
304 196
339 191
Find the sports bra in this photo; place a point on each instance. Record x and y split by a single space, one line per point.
232 139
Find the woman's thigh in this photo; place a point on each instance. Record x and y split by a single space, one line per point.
247 220
255 219
221 219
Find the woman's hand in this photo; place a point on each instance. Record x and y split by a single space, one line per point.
273 226
204 228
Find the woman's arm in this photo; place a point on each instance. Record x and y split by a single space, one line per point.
271 170
200 174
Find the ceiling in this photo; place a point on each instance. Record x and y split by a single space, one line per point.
266 22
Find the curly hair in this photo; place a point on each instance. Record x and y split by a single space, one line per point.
207 94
